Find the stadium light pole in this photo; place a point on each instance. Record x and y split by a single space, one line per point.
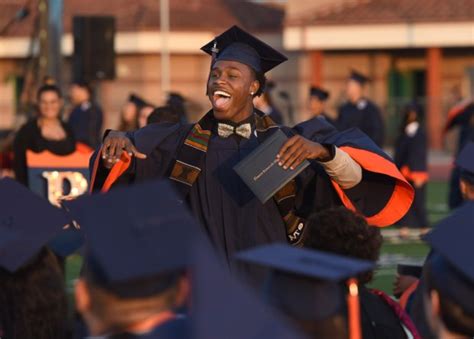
165 54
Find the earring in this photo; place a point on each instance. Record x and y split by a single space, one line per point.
251 93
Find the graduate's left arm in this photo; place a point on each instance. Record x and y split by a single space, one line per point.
378 190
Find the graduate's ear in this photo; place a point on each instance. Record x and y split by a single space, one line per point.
463 187
82 296
435 304
183 292
254 87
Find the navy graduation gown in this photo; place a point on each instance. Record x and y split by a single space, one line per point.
232 217
364 115
411 157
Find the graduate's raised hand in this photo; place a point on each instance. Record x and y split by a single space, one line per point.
297 149
114 145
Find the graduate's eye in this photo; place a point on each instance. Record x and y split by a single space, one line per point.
214 75
233 76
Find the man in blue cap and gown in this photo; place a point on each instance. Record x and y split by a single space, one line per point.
346 168
359 111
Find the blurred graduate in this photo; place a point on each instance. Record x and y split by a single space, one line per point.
359 111
133 284
264 104
86 117
411 157
346 168
448 288
461 116
343 232
32 290
316 291
317 103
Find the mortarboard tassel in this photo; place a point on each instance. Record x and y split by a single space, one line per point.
353 309
214 51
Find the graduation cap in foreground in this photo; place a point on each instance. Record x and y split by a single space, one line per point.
237 45
310 285
465 161
27 223
319 93
358 77
138 238
224 308
452 267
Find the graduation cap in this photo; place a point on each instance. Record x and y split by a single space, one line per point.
138 238
319 93
308 284
237 45
358 77
27 223
224 308
452 238
465 161
451 264
139 102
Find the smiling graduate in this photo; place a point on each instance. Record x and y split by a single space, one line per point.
346 168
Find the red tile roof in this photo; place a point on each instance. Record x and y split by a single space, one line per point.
144 15
388 11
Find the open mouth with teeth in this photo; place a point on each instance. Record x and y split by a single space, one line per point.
221 100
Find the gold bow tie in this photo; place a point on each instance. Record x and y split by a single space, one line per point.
225 130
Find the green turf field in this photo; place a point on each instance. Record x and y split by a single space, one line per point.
392 253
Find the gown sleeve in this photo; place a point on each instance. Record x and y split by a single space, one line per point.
383 196
151 140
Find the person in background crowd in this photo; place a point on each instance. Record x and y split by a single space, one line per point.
410 287
163 114
135 293
178 104
33 303
316 291
86 118
317 103
359 111
341 231
129 113
465 163
461 116
264 104
144 113
411 157
46 131
448 275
